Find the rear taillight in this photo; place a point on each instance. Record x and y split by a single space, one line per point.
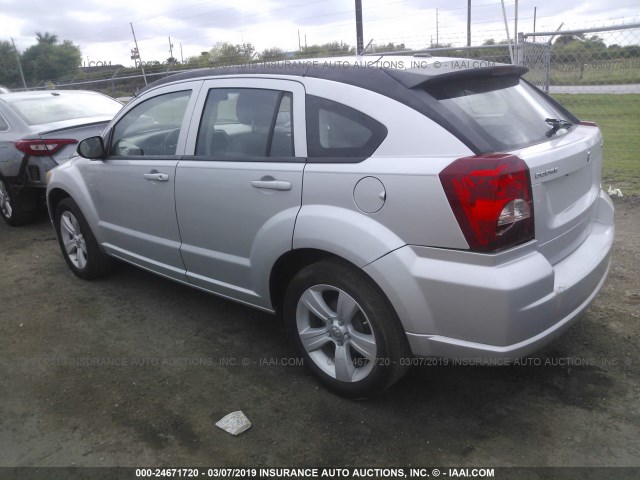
43 147
588 124
491 198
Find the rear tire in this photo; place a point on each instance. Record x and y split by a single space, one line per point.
78 244
343 327
13 205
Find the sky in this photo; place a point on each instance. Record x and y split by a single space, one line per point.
102 28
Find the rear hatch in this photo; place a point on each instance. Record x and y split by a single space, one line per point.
565 179
564 157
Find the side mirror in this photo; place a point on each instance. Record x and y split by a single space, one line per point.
92 148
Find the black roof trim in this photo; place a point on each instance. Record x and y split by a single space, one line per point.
412 79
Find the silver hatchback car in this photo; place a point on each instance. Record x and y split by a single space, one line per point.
390 210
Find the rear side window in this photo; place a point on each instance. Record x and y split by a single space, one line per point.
4 126
337 131
506 111
246 123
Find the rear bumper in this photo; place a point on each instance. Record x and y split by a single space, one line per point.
473 306
29 171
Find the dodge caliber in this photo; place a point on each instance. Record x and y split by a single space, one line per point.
385 211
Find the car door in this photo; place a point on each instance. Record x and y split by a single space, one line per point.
239 189
133 188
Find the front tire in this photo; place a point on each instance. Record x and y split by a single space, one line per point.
78 244
343 327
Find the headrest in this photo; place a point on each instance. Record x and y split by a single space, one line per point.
256 107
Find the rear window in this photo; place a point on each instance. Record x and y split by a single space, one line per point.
59 107
508 112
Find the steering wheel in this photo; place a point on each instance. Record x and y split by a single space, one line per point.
169 143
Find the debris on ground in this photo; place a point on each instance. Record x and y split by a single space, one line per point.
235 423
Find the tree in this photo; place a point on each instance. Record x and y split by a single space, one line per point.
578 50
331 49
46 38
273 55
389 47
48 60
198 61
226 54
9 72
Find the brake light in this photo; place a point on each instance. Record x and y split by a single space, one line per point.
588 124
43 147
491 198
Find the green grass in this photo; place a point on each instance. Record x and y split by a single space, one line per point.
597 73
618 116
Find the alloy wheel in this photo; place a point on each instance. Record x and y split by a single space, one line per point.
73 240
5 201
336 333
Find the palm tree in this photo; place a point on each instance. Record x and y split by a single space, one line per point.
46 38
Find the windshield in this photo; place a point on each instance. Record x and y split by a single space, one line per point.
60 106
508 112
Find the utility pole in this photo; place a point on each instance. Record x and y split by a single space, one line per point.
359 33
437 30
299 44
181 57
515 36
515 27
468 23
170 48
506 27
535 12
19 64
138 54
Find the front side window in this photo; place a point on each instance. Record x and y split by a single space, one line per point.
240 123
152 127
335 130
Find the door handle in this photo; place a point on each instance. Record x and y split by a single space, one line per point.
158 177
271 184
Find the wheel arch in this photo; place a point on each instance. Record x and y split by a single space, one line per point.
288 265
54 197
293 261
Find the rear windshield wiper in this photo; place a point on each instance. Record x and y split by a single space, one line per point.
557 124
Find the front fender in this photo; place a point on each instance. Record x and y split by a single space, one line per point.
67 178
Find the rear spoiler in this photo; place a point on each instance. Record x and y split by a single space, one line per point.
413 79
